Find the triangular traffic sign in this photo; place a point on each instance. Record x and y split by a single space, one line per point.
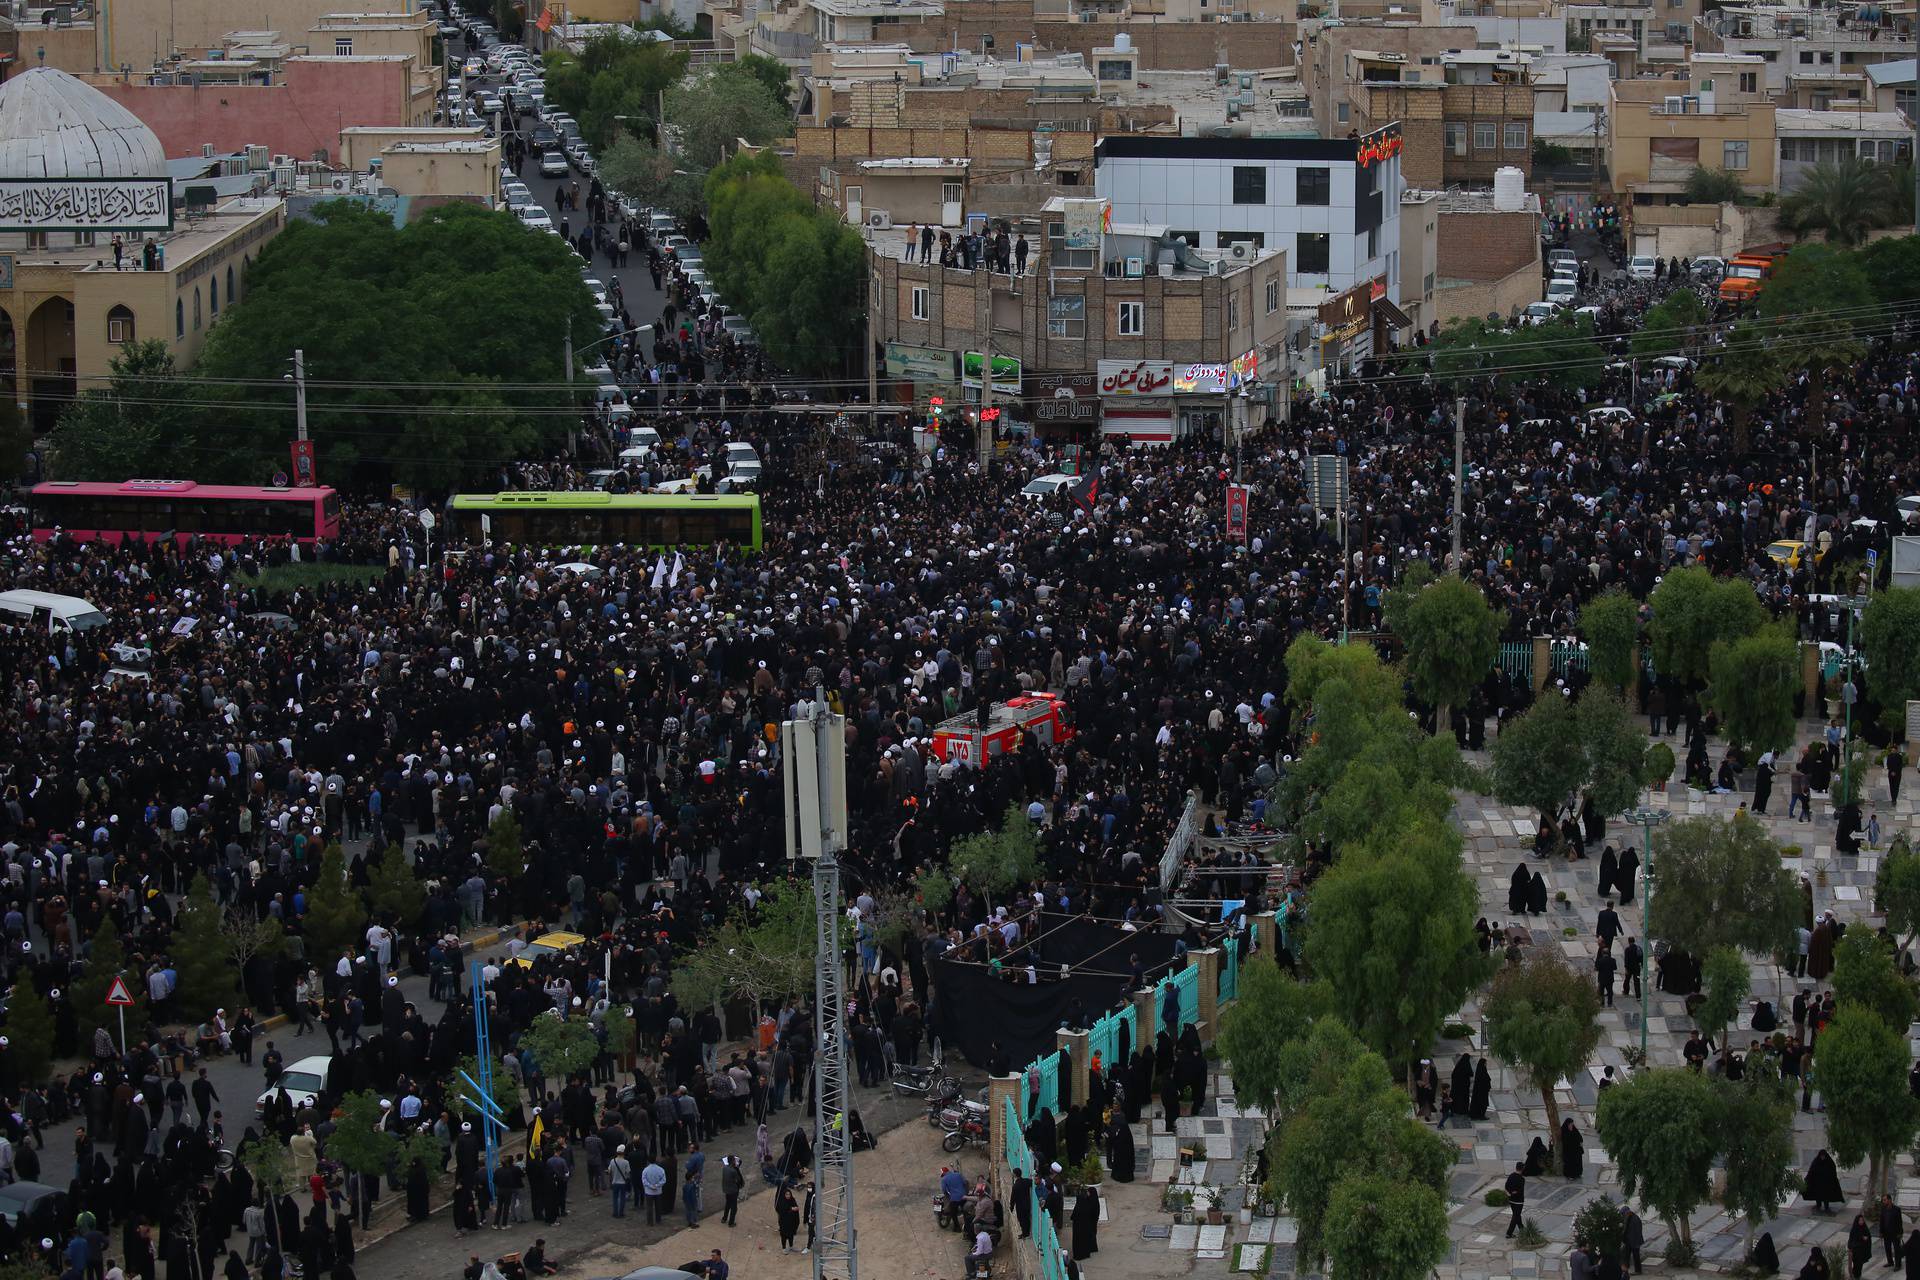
117 993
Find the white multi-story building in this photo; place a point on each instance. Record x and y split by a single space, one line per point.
1332 204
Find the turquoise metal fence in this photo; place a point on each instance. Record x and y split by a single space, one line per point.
1046 1242
1019 1159
1567 655
1126 1033
1187 984
1050 1082
1230 971
1102 1038
1516 659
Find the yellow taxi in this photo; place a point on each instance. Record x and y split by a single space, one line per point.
1788 552
547 944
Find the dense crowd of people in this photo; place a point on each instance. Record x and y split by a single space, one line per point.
629 726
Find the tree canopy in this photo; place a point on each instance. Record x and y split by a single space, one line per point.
1890 639
1753 681
1659 1126
1862 1067
613 75
1541 1019
763 957
797 272
1452 638
134 426
1560 354
1558 749
1272 1011
1692 611
415 358
1610 624
1721 884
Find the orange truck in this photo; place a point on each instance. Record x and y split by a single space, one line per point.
1746 273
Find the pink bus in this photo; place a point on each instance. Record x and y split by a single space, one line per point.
153 509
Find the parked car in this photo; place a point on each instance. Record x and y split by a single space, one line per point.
1561 291
553 165
1641 267
301 1083
1047 485
536 217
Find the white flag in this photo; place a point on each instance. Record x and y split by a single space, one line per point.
660 572
679 563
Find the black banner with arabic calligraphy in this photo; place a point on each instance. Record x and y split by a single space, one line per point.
86 204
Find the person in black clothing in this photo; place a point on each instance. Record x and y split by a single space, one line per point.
1890 1230
1764 1258
1632 961
1023 1204
1516 1196
1482 1090
1604 966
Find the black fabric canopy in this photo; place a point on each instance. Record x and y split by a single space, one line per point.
977 1007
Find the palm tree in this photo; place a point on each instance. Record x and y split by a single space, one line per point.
1743 373
1845 199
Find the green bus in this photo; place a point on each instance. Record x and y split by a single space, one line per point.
592 518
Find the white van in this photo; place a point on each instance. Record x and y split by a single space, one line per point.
45 611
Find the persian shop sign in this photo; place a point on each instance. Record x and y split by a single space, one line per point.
105 204
1376 147
1144 378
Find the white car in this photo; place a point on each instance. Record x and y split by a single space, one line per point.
1537 313
739 451
301 1082
553 165
473 68
1047 485
536 217
1641 267
490 104
1561 291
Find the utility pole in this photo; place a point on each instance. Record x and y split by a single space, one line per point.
573 418
1459 473
985 437
813 772
299 394
873 376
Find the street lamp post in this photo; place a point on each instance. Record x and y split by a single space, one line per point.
1648 818
1849 694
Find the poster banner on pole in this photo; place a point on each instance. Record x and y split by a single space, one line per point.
303 472
1237 511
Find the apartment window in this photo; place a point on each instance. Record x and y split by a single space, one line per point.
1067 316
1733 154
1070 259
1457 139
1249 184
1342 113
1273 295
1826 59
1516 138
1426 288
1132 319
343 46
179 318
1485 137
36 239
1313 186
1806 59
119 326
1373 243
1749 82
922 304
950 193
1312 252
1906 101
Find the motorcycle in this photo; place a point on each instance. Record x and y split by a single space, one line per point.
972 1131
932 1080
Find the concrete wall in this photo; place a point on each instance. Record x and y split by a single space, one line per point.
298 117
359 145
142 32
1488 246
1458 299
430 171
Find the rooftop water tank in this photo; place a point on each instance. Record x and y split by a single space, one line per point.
1509 190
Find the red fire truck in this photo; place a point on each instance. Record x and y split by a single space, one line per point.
964 740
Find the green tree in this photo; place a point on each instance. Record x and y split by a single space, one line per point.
1560 354
335 921
1722 885
208 977
770 72
623 1034
1273 1009
767 956
1759 1157
134 426
29 1029
1742 373
1541 1020
797 272
249 934
1845 200
106 960
1753 682
1725 980
636 168
16 440
713 112
1452 638
1823 308
1310 1066
1385 1229
1414 579
1610 622
1393 935
1538 759
1861 1064
1890 640
385 317
1896 890
1358 1127
1660 1126
269 1162
998 862
1866 974
1893 265
357 1141
394 891
1372 686
1692 611
561 1046
1677 324
1616 750
506 1093
1713 186
933 888
614 74
506 849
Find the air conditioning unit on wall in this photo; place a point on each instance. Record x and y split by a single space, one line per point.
879 219
1240 251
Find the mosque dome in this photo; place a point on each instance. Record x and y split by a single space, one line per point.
56 128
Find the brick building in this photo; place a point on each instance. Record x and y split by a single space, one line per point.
1456 134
